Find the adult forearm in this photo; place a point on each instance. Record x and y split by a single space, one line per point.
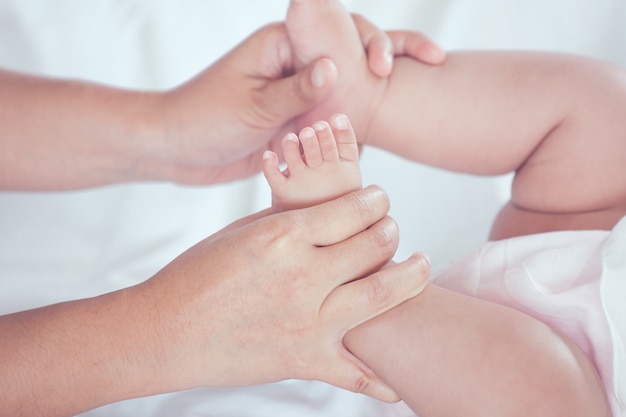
70 357
62 134
67 358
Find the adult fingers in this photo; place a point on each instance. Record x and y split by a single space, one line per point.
378 45
382 46
356 302
362 253
350 373
352 304
417 46
268 56
339 219
296 94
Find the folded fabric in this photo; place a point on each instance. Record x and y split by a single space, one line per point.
573 281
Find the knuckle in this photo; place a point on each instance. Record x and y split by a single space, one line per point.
424 265
362 205
361 383
421 265
379 291
385 238
280 232
368 205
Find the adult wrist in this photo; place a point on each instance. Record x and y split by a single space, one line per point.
144 140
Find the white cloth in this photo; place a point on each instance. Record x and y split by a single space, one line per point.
575 282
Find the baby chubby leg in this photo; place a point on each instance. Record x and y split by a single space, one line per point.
324 28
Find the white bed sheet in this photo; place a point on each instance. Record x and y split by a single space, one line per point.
55 247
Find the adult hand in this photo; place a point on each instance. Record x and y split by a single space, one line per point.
382 46
211 129
273 299
269 300
217 125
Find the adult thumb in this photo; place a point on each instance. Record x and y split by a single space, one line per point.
353 375
291 96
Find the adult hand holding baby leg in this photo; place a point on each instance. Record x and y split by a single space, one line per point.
275 297
253 103
211 129
325 29
267 301
381 47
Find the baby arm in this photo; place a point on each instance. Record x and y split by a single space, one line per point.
555 120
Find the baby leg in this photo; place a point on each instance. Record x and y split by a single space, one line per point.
325 29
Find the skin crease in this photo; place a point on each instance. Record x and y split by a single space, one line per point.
174 330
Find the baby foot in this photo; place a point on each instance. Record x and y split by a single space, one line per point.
327 168
324 28
320 28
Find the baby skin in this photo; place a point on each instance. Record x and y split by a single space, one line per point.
322 164
492 360
554 120
315 28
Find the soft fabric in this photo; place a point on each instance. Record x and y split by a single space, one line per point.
575 282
